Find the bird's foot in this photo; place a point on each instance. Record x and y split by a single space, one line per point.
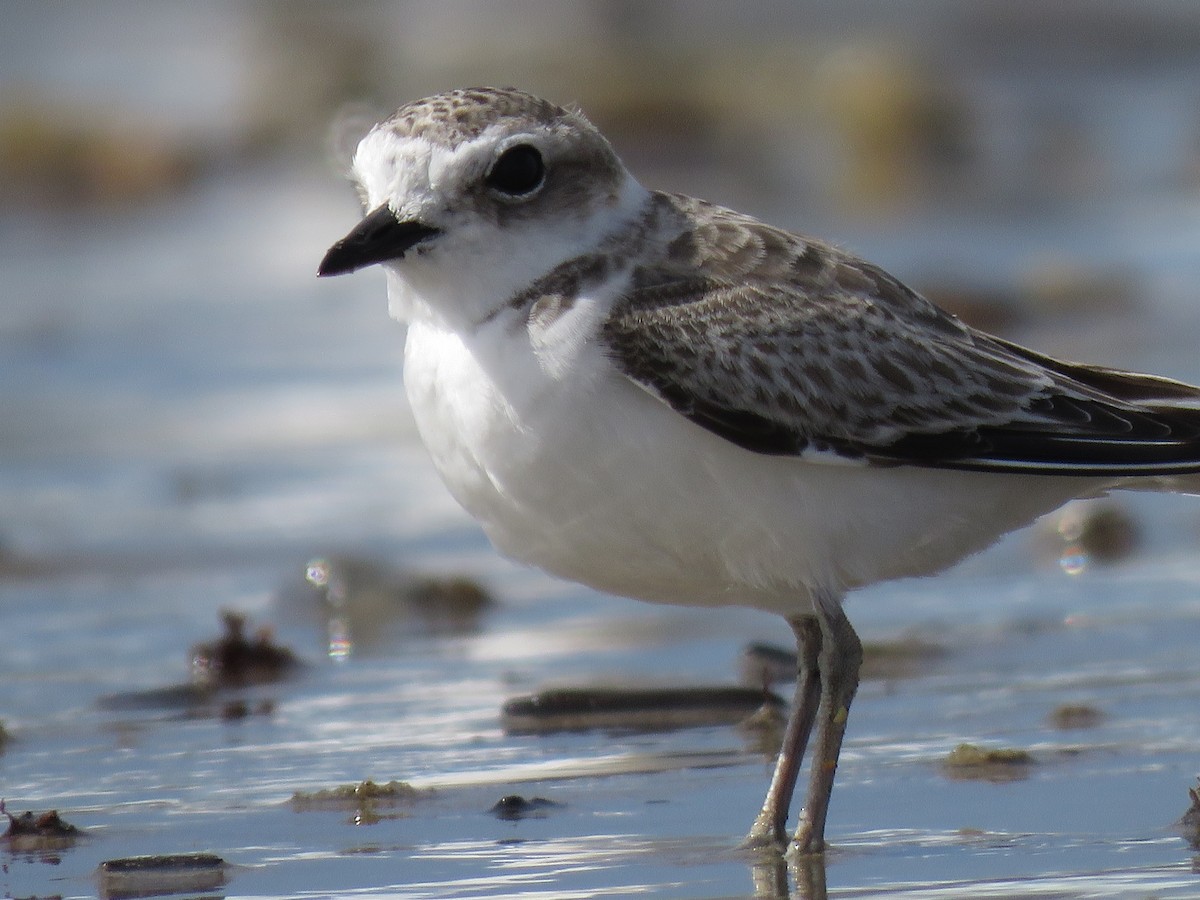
806 844
765 839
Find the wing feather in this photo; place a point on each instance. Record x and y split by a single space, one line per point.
785 345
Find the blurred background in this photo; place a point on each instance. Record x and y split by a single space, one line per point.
190 421
170 173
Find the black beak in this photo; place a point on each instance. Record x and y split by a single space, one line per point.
377 238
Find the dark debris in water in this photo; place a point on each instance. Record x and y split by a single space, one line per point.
1189 824
230 663
900 658
767 664
1071 716
366 602
514 807
349 794
234 660
47 824
765 728
149 876
460 598
38 832
15 565
193 701
233 710
972 762
635 709
363 799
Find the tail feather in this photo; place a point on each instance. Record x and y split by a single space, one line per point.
1131 387
1100 422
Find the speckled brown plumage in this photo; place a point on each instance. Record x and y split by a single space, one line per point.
785 344
453 117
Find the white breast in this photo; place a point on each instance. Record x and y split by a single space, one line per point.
573 468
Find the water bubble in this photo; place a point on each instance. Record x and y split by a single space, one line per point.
1073 560
317 572
341 644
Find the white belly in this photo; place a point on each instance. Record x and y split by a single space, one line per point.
589 477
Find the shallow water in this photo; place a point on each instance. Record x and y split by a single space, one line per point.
190 417
189 452
640 813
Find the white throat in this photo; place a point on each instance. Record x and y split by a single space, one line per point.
463 289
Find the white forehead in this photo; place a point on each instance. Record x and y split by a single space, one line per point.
388 167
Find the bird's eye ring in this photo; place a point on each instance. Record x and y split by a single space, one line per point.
519 170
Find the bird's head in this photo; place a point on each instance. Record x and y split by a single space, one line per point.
473 193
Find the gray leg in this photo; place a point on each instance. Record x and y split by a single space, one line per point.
840 658
770 828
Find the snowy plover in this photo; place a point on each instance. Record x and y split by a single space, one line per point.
673 401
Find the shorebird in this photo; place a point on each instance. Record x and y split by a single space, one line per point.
673 401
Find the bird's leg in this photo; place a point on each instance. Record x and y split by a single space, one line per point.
840 659
770 828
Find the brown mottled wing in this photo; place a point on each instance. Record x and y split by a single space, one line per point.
784 346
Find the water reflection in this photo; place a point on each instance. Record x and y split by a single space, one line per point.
535 868
369 604
772 876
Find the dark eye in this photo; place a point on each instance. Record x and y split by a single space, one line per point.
518 171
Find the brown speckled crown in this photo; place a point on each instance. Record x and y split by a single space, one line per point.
461 115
